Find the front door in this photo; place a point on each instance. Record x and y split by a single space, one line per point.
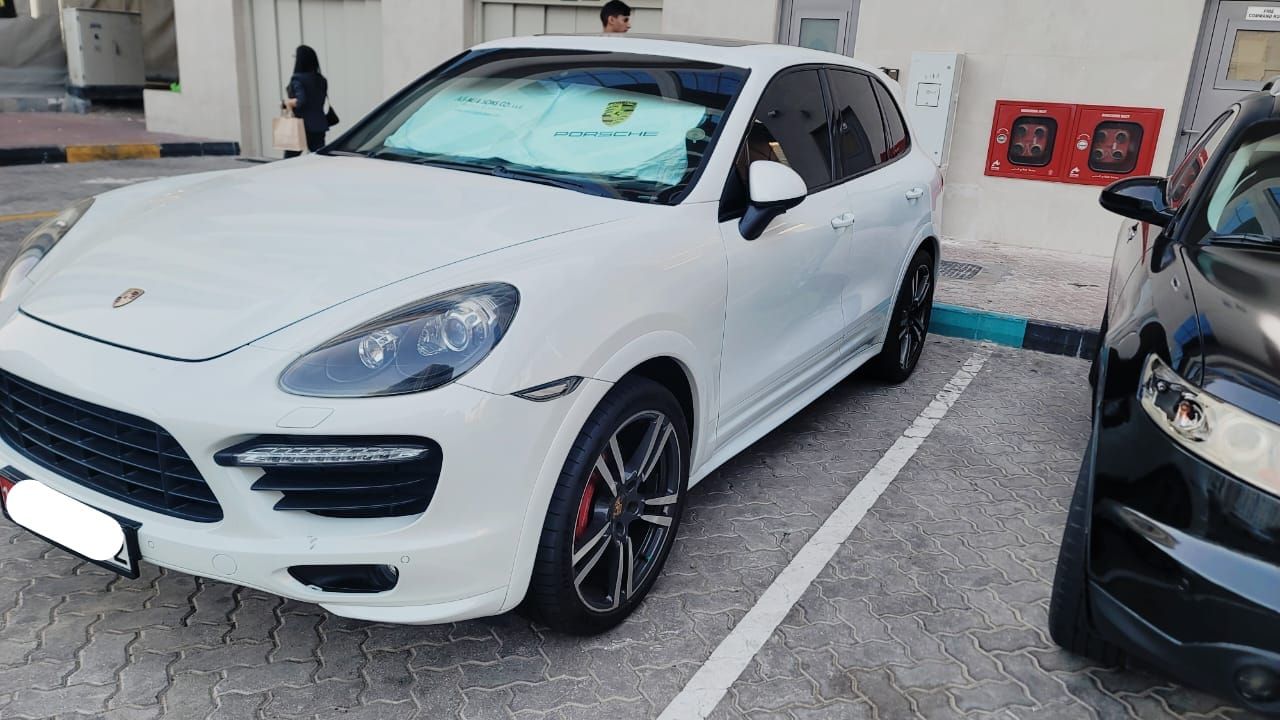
827 25
784 313
1239 51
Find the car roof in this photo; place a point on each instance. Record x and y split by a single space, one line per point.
741 53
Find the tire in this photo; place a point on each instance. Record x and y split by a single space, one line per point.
601 550
909 322
1068 607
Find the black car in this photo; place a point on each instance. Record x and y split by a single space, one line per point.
1171 553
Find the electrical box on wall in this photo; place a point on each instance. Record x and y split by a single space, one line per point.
1082 144
1111 143
932 96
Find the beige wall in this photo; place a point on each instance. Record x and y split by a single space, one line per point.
420 34
741 19
1123 52
215 101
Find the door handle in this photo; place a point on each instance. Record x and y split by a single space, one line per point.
842 221
915 193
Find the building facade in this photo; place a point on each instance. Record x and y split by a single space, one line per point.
1186 58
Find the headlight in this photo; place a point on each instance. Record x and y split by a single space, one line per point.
418 347
1242 444
38 244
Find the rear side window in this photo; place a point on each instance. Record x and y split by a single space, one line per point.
860 134
895 126
791 126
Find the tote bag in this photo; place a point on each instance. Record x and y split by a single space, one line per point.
288 133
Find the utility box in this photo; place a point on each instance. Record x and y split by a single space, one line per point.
104 53
1110 143
1029 139
932 96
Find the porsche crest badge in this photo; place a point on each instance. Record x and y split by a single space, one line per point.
127 297
617 112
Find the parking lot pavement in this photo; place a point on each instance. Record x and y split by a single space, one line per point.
935 606
27 191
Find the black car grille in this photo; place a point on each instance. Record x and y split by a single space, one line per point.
111 452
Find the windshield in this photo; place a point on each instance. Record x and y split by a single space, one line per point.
635 127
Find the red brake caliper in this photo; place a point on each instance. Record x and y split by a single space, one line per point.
584 508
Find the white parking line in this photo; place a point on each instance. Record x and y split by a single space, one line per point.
708 686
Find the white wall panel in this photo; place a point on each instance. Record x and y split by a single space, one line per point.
346 34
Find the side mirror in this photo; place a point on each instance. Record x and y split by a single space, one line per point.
1139 198
775 189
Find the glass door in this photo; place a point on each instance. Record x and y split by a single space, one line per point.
1239 50
827 25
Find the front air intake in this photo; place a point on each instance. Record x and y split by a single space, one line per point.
343 477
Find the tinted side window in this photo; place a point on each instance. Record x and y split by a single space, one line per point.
791 126
899 142
860 130
1245 197
1187 176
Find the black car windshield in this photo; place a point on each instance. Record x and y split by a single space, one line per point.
635 127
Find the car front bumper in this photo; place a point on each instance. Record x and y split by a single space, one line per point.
1184 564
454 561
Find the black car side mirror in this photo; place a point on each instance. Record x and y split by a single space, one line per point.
1139 198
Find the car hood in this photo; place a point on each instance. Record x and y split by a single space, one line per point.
233 257
1237 292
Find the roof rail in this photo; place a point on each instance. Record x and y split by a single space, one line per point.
1273 86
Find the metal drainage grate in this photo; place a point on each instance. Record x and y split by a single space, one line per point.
959 270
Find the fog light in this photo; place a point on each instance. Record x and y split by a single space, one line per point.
1258 684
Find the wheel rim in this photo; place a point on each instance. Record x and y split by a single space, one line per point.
626 512
913 324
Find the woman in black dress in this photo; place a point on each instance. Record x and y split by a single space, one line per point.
308 90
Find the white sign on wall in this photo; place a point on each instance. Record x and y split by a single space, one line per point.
1263 13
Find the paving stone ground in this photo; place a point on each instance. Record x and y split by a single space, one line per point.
935 607
1050 285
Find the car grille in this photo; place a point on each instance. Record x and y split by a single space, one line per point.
111 452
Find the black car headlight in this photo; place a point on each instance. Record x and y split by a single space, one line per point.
38 244
1236 441
415 348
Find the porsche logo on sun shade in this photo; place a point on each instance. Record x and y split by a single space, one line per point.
127 297
617 112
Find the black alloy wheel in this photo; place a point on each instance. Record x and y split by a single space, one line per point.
615 511
909 323
624 519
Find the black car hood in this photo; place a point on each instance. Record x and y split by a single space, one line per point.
1237 292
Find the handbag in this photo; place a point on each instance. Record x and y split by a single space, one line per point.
288 133
331 117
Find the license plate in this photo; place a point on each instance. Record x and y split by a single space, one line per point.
105 540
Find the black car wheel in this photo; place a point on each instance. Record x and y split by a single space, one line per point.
909 323
614 513
1068 605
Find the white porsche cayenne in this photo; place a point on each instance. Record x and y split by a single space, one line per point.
474 353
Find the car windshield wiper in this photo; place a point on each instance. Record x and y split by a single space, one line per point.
1257 241
495 167
433 161
580 184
